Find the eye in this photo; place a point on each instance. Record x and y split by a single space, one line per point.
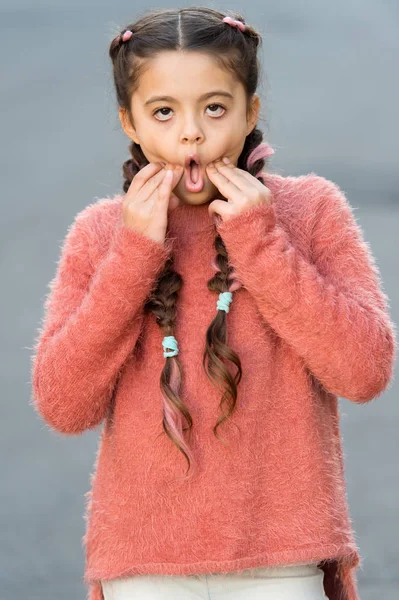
218 105
166 108
159 110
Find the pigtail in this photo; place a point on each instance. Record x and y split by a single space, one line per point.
162 303
252 159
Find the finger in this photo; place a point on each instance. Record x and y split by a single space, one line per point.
234 175
153 184
144 175
248 182
254 180
260 185
165 194
165 187
220 209
225 186
177 171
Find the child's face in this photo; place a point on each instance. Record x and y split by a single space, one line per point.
211 128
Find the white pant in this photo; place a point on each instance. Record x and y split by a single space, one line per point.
294 582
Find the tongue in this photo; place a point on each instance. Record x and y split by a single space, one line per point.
194 172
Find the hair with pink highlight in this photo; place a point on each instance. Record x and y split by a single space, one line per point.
259 153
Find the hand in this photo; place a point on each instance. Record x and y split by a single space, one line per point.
241 189
149 198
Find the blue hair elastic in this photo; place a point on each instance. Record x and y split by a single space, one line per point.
224 301
169 341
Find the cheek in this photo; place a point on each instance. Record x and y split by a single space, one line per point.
150 142
151 150
231 142
238 139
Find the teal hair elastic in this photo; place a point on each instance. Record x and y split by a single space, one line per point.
169 341
224 301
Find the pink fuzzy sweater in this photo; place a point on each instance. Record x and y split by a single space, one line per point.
310 323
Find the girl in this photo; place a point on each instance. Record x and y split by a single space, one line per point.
263 512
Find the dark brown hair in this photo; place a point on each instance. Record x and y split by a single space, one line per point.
189 29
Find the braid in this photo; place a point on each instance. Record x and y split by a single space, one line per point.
252 159
216 347
162 303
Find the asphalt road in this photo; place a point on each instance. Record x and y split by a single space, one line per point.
330 98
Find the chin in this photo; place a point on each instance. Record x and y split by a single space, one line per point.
195 197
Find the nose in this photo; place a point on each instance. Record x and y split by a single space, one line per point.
191 132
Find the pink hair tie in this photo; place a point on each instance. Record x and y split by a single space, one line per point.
234 23
127 35
262 151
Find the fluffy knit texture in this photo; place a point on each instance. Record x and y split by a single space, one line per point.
310 323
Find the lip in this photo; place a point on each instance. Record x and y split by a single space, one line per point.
192 157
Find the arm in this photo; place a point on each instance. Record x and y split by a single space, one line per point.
332 311
91 324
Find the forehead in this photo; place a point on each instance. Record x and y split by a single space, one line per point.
184 75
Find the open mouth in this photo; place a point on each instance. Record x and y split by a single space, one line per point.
194 176
195 170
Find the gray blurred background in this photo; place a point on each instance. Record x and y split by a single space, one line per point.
330 99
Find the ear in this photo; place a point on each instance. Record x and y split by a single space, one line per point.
253 113
127 125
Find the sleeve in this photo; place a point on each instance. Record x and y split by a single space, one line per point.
92 319
331 310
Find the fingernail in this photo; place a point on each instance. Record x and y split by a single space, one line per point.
225 160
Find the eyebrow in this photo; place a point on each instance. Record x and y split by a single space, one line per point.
203 97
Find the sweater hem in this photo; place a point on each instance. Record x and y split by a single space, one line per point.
338 561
